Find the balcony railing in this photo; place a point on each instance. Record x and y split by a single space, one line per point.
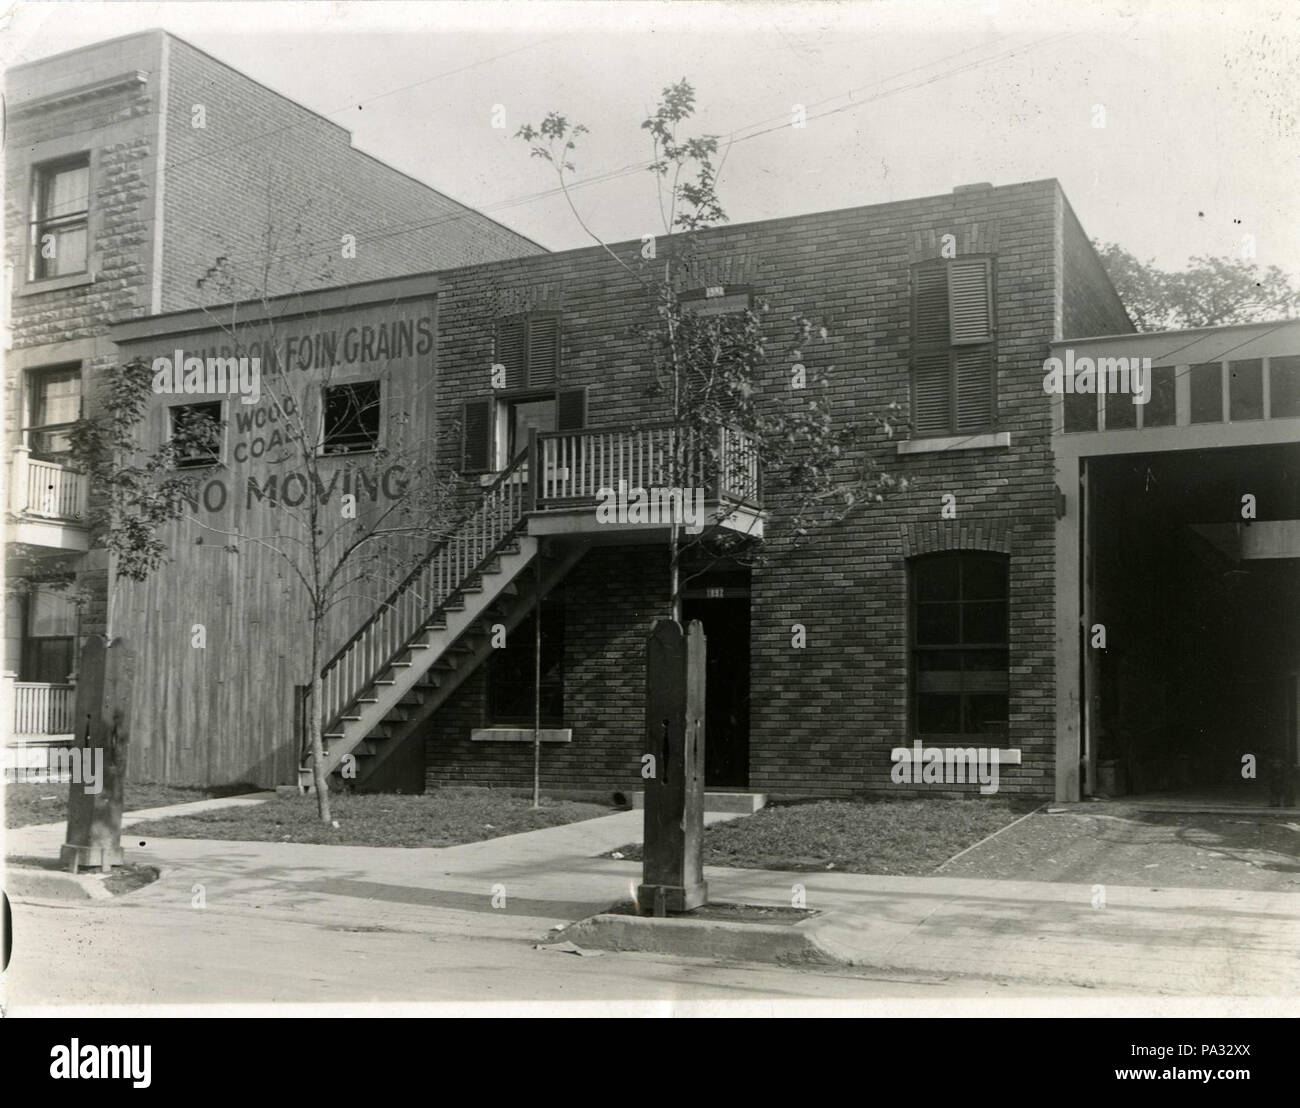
41 709
577 465
47 490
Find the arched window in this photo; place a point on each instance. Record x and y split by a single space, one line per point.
959 644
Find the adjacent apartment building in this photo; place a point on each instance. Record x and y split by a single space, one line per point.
145 176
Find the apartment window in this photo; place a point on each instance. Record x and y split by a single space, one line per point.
494 432
351 418
960 656
198 429
60 218
54 406
528 346
954 388
49 637
1207 392
511 674
1246 390
1160 409
1284 387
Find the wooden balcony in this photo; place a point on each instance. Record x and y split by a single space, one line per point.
47 504
41 710
620 484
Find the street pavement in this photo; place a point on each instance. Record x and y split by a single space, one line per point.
259 922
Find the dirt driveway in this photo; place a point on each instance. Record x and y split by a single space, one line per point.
1121 845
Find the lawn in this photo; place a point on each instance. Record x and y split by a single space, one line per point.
903 837
442 817
28 802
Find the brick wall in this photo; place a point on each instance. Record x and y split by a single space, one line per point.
265 169
824 717
1091 304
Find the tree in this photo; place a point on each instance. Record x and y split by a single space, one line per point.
709 368
1209 292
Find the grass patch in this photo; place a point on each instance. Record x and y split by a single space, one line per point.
443 817
895 837
29 802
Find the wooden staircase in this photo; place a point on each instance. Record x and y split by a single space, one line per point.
432 632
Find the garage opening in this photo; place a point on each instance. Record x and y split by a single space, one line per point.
1192 633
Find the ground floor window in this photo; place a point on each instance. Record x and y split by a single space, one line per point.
510 675
959 653
49 638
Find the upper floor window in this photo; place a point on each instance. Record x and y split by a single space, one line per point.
197 429
351 418
60 218
53 407
954 384
959 618
528 346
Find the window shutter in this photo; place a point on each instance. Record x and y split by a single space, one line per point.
931 393
476 437
543 350
974 388
969 295
930 306
511 350
571 409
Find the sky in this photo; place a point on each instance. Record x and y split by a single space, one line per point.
1171 125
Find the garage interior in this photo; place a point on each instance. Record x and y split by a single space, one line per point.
1201 615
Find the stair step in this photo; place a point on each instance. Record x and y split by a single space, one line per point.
367 700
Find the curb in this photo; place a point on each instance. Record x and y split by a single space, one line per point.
44 884
733 942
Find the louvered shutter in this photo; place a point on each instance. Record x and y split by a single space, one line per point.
476 437
970 300
512 350
974 387
571 410
930 306
931 393
543 350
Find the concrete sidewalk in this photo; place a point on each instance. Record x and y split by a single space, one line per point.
1189 941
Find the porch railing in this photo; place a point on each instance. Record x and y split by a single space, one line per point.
410 606
47 489
41 709
576 465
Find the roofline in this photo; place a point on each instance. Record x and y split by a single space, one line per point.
1129 337
362 294
89 46
757 223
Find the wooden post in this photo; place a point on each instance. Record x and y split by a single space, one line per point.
101 729
534 471
673 870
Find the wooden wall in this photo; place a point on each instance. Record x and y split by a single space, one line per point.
223 712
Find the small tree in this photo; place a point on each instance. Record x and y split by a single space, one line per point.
1209 292
707 368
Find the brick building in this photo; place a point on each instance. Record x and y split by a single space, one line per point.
137 168
929 617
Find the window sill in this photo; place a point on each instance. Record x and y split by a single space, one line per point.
520 734
53 284
989 440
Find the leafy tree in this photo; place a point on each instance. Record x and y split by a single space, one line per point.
1209 292
719 370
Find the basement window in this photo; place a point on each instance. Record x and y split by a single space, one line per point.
351 418
510 675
